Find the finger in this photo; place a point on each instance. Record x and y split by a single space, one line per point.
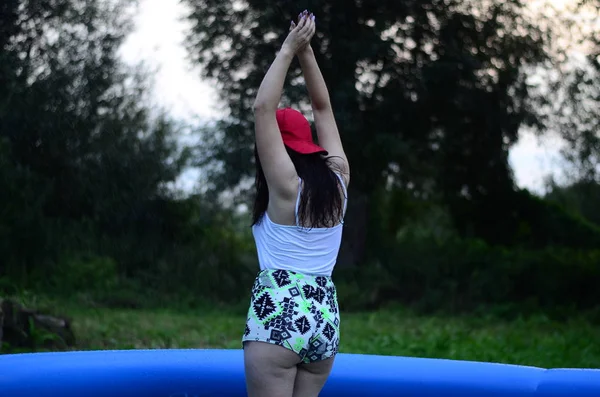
306 20
304 25
313 29
311 19
305 15
308 27
292 26
301 21
307 37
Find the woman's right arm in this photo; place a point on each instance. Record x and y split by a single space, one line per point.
279 170
327 131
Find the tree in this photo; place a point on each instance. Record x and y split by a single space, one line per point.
429 95
580 197
568 103
77 121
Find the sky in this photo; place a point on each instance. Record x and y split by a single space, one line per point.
158 41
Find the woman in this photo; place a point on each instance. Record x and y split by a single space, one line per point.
292 329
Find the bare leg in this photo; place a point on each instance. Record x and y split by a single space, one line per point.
310 378
270 370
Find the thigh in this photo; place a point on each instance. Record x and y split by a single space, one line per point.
325 340
311 377
270 369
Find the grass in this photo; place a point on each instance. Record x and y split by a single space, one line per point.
535 341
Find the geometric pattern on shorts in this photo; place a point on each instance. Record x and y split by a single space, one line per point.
296 311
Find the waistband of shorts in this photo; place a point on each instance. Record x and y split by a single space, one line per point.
302 278
283 278
306 276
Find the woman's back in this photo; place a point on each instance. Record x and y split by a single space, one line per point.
299 248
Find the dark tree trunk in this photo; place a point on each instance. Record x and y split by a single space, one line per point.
353 249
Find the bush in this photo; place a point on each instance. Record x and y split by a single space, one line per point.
87 273
187 252
523 220
545 223
459 275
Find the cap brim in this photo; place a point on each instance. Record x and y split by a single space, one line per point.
305 147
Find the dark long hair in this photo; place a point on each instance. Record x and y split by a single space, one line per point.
320 188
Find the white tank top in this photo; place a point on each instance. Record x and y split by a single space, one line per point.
311 251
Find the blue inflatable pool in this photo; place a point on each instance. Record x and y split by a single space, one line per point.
202 373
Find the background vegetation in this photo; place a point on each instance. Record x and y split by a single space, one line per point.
443 255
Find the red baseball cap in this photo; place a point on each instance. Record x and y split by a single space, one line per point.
295 131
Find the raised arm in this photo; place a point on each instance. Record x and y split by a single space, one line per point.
327 131
276 163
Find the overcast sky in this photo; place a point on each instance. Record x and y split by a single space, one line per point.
157 40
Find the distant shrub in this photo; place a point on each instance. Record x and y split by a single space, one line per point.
522 219
464 274
89 273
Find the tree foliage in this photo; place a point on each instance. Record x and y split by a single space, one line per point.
429 95
78 138
568 99
581 198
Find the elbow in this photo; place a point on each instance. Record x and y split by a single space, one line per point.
260 106
321 105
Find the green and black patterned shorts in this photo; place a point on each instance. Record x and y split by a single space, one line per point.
296 311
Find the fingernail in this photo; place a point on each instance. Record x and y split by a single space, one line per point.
313 17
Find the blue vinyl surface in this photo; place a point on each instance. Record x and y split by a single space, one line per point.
202 373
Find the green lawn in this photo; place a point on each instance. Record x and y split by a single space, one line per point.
535 341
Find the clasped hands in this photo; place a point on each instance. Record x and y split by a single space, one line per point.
298 40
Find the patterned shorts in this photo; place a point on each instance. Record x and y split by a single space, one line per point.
296 311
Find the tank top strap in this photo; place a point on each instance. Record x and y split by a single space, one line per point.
298 201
